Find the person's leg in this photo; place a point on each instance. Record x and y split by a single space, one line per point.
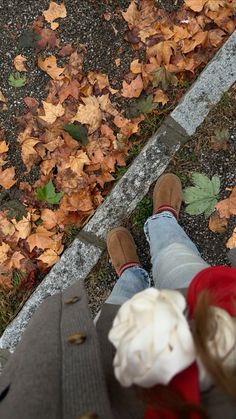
132 278
175 258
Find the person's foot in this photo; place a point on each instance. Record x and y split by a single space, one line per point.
167 194
122 249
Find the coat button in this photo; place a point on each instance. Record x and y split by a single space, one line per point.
89 415
73 300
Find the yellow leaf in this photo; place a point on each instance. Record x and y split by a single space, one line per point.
133 89
28 151
49 65
23 227
52 112
89 113
4 248
54 11
49 257
77 162
232 240
49 218
19 61
41 239
3 147
136 67
6 177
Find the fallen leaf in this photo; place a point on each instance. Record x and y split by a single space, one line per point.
231 243
6 177
195 5
214 5
4 248
54 12
132 15
19 61
164 77
48 193
191 44
47 39
117 62
40 239
6 227
52 112
28 152
127 126
227 207
66 50
78 201
76 163
3 147
2 97
6 280
23 227
49 65
133 89
31 103
49 218
136 67
89 113
70 88
15 260
160 97
49 257
217 224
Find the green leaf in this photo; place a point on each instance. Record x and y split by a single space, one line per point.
17 80
28 39
202 197
48 194
145 104
77 131
164 77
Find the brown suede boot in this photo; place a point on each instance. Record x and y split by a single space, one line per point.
167 194
122 249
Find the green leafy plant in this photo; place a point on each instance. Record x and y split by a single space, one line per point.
77 131
202 197
48 194
17 80
143 211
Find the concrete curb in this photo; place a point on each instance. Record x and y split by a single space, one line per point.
78 260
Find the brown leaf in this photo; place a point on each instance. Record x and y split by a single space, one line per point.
6 280
40 239
214 5
227 207
31 103
191 44
2 97
133 89
132 15
49 257
49 65
89 113
3 147
76 163
136 67
6 177
195 5
6 226
66 50
15 261
217 224
78 201
19 61
127 126
28 153
49 218
69 88
231 243
160 97
47 39
23 227
52 112
4 249
54 12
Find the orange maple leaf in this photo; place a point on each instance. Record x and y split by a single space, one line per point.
132 15
54 12
6 177
49 257
133 89
160 97
4 249
3 147
19 61
76 163
49 218
49 65
89 113
23 227
231 243
227 207
195 5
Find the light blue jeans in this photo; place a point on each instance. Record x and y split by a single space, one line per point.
175 260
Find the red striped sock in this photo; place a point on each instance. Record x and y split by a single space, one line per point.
167 208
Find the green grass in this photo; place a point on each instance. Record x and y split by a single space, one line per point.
224 101
143 211
70 234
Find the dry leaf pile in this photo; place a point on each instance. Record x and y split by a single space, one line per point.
175 47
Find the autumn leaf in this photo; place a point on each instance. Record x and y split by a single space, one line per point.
6 227
28 152
54 12
136 67
127 126
77 201
2 97
160 97
41 239
78 132
217 224
231 243
6 280
3 147
49 218
227 207
15 260
19 61
132 15
23 227
4 248
31 103
76 163
47 39
164 77
195 5
214 5
191 44
133 89
49 257
49 65
90 113
6 177
52 112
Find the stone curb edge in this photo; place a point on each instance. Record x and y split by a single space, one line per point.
79 259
